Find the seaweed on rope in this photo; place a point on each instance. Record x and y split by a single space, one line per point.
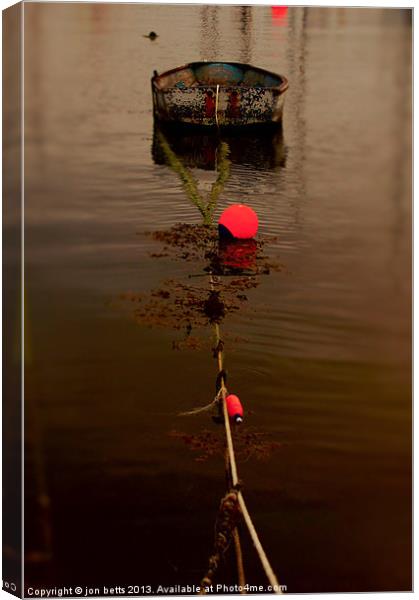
206 206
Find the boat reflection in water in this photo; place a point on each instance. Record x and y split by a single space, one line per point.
261 148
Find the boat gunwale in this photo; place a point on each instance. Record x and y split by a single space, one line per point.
280 89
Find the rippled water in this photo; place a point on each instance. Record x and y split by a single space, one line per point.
326 366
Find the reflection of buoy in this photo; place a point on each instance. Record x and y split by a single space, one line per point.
234 408
238 254
238 221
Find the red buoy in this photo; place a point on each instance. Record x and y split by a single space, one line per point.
234 408
238 221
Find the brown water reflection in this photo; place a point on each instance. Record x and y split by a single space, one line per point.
326 368
263 150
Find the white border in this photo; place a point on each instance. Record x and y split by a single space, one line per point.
323 3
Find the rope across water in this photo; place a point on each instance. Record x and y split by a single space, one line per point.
207 209
233 469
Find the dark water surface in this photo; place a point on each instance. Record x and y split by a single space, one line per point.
325 365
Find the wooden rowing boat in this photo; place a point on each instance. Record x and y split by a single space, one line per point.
219 94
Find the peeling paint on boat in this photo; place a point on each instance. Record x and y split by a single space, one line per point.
258 98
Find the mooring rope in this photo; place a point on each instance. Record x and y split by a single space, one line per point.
191 188
201 409
205 205
239 560
269 572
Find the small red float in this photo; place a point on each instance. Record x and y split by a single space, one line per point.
234 408
238 221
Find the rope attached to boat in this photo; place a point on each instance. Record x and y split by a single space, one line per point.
220 399
216 105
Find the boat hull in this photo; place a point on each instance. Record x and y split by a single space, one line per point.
218 105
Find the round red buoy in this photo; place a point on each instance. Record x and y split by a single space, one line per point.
234 408
238 221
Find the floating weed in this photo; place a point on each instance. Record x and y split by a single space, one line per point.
177 305
197 242
236 268
188 241
249 444
191 342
